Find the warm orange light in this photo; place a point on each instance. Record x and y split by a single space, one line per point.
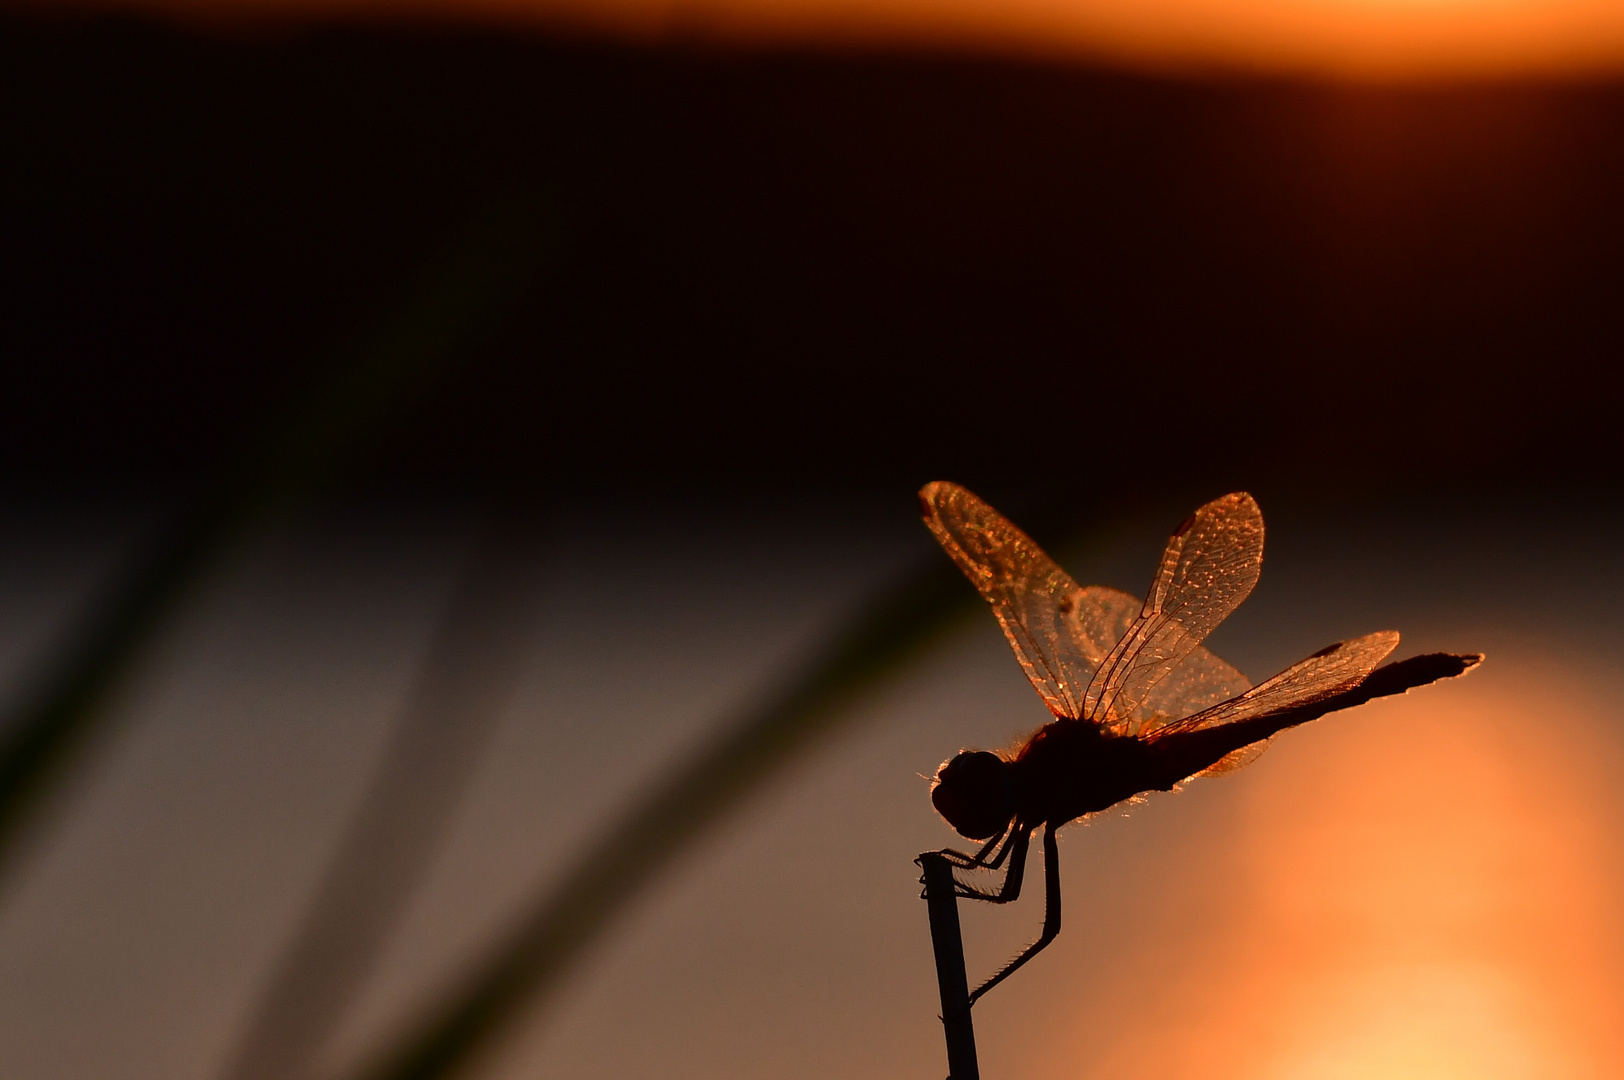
1361 38
1427 890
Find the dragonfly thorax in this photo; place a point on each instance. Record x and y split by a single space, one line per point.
975 792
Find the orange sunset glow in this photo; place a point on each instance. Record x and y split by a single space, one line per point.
1354 38
1427 891
499 577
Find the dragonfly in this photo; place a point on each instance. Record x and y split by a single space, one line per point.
1139 704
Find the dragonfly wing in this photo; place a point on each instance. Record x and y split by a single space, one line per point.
1102 617
1327 673
1098 620
1199 681
1038 604
1208 568
1236 760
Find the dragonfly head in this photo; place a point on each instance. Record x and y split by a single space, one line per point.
975 793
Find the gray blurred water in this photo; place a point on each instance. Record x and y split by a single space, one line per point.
160 890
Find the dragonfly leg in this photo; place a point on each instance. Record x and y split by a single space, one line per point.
1051 912
1010 842
970 862
1019 840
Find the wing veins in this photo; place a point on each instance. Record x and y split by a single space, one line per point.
1037 604
1208 567
1329 672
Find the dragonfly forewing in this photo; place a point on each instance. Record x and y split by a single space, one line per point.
1209 566
1036 602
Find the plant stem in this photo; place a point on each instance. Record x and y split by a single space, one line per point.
951 981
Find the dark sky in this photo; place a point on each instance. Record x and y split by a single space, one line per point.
866 269
1390 312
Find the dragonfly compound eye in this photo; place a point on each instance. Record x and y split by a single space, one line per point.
973 792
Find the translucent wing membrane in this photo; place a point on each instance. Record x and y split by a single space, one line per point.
1199 681
1325 674
1236 760
1054 627
1061 633
1101 616
1098 620
1208 568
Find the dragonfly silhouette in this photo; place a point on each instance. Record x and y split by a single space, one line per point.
1139 705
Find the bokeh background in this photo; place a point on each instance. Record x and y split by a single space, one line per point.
462 606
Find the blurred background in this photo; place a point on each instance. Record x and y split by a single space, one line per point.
463 611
